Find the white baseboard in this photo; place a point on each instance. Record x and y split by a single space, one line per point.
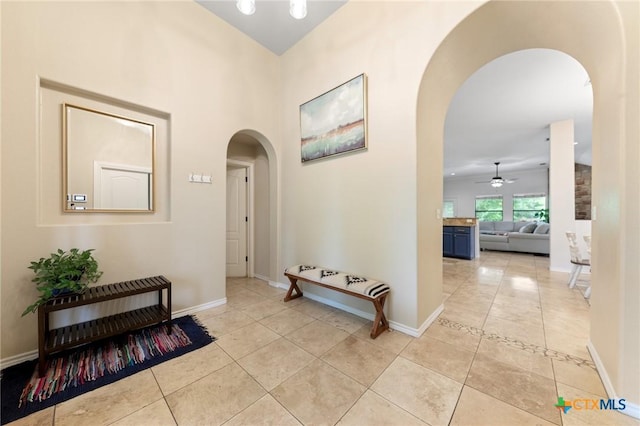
198 308
434 316
329 302
27 356
17 359
417 332
414 332
275 284
410 331
261 277
606 381
340 306
632 410
278 284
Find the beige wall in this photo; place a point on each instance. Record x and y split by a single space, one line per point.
628 353
184 62
357 212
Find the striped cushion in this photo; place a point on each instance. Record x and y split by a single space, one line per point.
350 282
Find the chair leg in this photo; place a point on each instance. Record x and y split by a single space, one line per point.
573 272
587 292
574 277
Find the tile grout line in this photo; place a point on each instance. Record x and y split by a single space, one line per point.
528 347
450 324
475 353
544 333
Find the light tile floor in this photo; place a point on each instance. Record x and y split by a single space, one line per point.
512 338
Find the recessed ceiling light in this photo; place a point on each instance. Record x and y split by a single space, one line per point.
453 174
247 7
575 143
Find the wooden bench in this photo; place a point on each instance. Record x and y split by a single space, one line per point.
355 285
55 340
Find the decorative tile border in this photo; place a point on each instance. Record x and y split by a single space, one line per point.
514 343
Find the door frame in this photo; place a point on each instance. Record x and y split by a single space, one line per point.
250 191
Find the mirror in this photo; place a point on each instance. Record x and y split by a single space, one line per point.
108 162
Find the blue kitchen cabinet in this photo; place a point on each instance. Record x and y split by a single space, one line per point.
459 241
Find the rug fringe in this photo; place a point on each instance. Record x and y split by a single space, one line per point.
92 363
203 327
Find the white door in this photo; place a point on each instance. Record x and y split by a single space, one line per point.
122 190
236 222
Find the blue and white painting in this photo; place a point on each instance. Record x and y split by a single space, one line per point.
335 122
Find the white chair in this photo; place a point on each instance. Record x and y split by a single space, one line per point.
577 261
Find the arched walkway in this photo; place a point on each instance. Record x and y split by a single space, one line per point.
593 33
273 230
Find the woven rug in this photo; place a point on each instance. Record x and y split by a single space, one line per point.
76 371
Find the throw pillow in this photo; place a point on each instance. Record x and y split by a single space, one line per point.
542 228
528 228
486 226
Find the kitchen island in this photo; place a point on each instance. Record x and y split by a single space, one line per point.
460 237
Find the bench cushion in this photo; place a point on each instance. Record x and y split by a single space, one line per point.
349 282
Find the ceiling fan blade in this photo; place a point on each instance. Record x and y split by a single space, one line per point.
511 180
484 181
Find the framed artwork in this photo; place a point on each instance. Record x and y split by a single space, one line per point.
335 122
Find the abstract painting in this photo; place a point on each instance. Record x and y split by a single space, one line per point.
336 121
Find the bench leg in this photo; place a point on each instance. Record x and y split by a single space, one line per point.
294 286
380 324
43 327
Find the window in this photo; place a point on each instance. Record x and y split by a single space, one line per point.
489 208
449 208
525 206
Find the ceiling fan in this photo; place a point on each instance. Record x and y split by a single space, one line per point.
498 181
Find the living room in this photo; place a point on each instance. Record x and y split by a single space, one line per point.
497 156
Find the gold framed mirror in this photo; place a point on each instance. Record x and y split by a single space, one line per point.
108 162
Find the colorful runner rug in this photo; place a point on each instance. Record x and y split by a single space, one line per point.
89 367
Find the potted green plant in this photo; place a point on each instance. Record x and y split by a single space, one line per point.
61 273
543 215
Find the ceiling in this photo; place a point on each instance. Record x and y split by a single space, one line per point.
501 113
271 25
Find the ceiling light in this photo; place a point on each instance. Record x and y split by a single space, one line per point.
497 181
247 7
453 174
298 8
575 143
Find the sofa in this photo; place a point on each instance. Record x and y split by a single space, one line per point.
524 237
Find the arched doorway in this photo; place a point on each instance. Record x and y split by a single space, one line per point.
251 154
592 33
504 112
